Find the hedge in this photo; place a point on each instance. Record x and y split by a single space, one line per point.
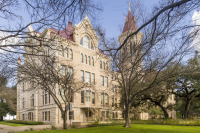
25 122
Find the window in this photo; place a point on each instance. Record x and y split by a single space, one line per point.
63 95
103 65
85 59
23 103
93 78
81 58
113 102
112 88
116 115
71 115
113 116
88 113
87 77
107 114
61 51
71 54
92 47
106 99
66 53
106 82
100 64
92 61
46 116
112 76
81 42
30 116
32 100
106 66
89 63
102 95
115 89
23 88
82 97
82 76
87 95
101 78
45 97
62 70
72 95
70 72
93 98
23 118
86 42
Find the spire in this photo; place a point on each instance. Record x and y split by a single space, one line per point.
130 24
129 6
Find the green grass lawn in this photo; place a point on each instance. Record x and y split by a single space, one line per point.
11 124
136 128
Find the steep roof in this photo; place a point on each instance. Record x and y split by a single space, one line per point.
130 24
65 33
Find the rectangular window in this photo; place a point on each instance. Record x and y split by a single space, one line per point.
93 78
82 97
49 115
82 76
111 76
42 116
62 94
112 88
70 72
113 116
87 77
71 54
93 98
45 115
71 115
101 78
87 95
102 95
23 117
63 70
106 99
106 82
107 114
113 103
115 89
66 53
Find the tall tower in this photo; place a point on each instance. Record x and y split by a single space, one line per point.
132 49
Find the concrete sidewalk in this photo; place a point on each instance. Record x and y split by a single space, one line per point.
6 128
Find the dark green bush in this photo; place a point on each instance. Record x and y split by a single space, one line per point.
25 122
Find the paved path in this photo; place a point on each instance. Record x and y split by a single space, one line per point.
6 128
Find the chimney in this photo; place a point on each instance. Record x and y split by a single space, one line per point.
69 24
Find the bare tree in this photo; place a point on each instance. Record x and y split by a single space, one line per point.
165 39
46 73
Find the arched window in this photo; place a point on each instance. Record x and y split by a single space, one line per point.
104 65
85 59
66 53
89 63
92 46
81 58
61 51
101 64
81 42
92 61
71 54
86 41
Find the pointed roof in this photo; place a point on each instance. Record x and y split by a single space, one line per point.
65 33
130 23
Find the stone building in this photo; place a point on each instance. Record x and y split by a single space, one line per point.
79 54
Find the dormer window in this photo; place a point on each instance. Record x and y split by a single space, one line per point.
81 42
92 46
86 42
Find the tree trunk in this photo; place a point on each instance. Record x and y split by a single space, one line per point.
164 110
64 117
187 107
1 118
127 115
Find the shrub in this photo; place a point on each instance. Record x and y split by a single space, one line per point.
73 126
25 122
53 127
